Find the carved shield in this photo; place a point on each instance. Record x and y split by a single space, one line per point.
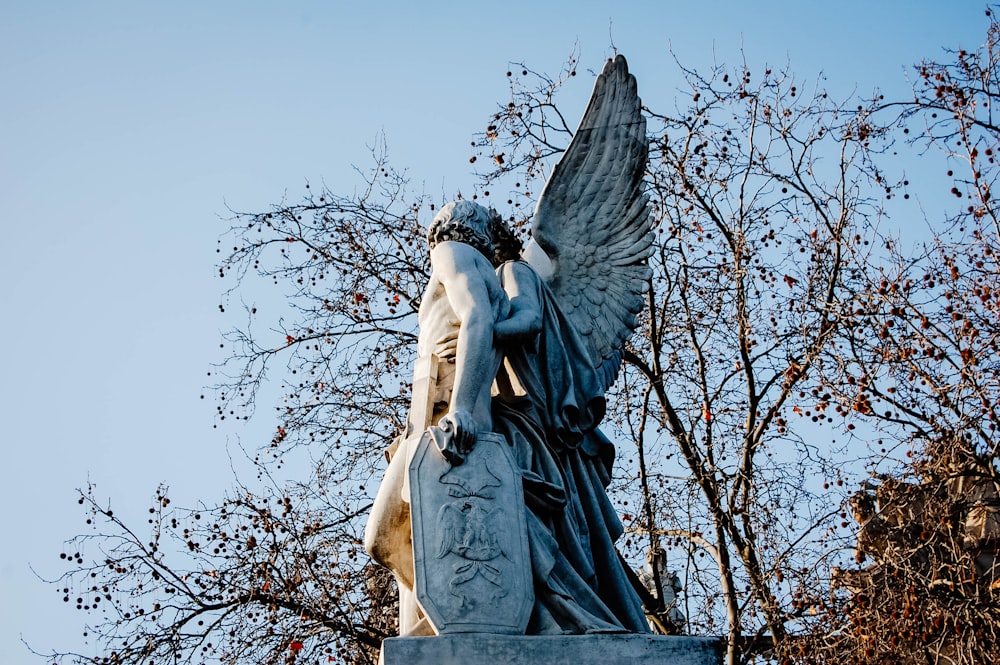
470 539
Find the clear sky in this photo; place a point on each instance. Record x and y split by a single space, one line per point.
126 128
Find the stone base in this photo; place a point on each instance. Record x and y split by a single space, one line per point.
490 649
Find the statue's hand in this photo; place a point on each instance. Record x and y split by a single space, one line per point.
446 348
460 431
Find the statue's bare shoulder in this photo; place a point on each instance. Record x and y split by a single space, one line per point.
468 278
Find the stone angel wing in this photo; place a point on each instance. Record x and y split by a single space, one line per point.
593 223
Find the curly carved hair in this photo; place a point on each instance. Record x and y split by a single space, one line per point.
472 224
465 222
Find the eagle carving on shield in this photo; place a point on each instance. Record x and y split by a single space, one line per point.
467 528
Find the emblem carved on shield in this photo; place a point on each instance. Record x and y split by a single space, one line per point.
470 545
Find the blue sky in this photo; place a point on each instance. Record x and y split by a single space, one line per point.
126 128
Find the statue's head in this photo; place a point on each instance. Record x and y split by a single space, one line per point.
463 221
472 224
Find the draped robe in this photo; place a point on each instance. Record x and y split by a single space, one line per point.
548 409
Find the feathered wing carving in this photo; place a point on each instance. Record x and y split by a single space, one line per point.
593 223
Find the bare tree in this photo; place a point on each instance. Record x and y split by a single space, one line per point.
920 365
763 345
263 577
278 573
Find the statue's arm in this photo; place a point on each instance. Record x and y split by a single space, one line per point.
525 320
460 269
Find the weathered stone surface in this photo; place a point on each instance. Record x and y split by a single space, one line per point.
480 649
470 540
550 338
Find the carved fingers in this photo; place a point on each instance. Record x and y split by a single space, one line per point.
459 431
446 348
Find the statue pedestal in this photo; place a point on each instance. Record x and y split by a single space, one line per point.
490 649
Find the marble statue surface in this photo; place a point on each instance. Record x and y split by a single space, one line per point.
482 649
493 513
471 563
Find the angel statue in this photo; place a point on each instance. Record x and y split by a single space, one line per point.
521 347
